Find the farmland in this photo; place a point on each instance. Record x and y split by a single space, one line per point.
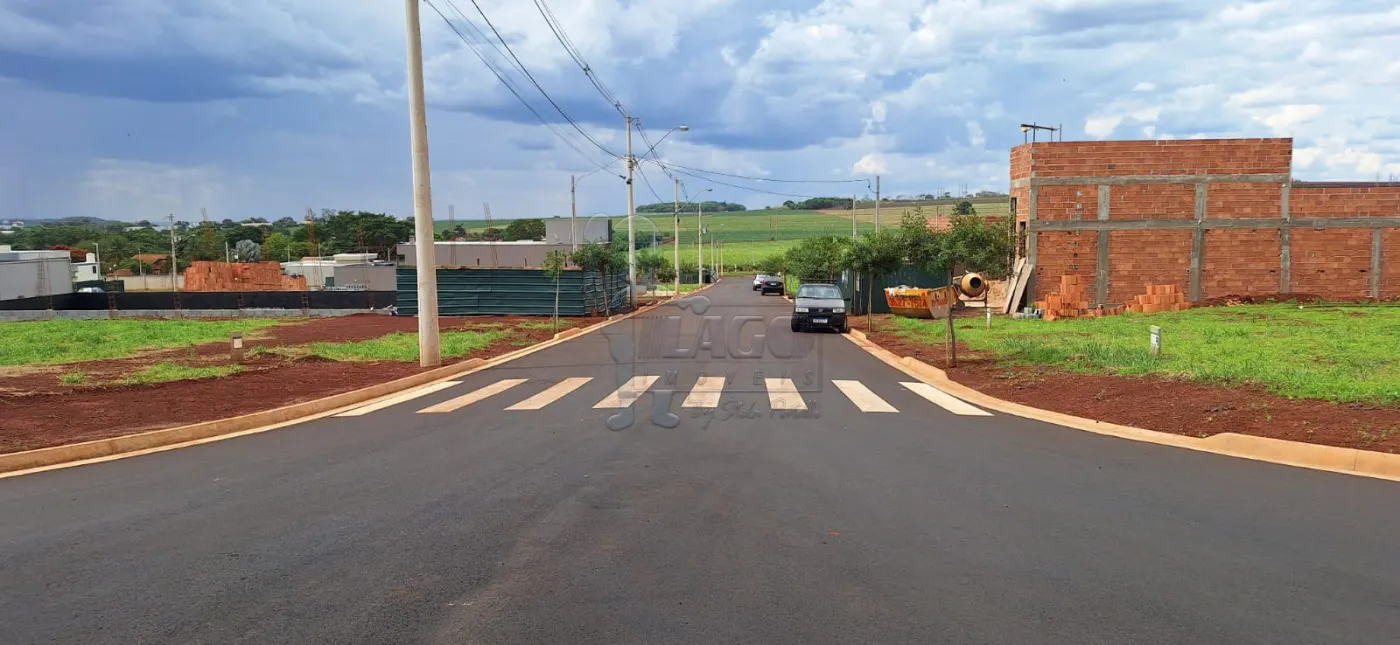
750 236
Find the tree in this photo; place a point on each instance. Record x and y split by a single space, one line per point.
203 242
554 262
818 258
666 272
875 254
921 244
971 244
525 229
774 264
603 259
689 268
964 207
241 233
277 247
248 251
651 262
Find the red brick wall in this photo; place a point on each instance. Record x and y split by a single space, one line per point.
1231 201
1181 157
1139 258
1062 252
1240 262
1345 201
1067 202
1152 201
1390 263
1331 262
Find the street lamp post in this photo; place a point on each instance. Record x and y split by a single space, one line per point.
632 207
700 237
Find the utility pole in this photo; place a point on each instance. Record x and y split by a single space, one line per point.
425 251
174 283
676 240
631 222
700 242
573 211
877 203
853 218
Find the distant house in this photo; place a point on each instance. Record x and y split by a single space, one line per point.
87 270
157 261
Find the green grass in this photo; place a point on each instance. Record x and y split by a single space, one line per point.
401 346
1336 353
49 342
75 377
166 372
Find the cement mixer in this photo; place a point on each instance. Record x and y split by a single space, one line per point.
917 302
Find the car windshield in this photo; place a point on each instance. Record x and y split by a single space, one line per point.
824 291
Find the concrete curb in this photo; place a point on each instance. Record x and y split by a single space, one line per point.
1348 461
41 459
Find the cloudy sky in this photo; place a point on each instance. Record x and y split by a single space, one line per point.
131 109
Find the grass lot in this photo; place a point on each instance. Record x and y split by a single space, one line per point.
49 342
1337 353
400 346
166 372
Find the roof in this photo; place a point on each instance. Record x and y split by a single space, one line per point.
150 258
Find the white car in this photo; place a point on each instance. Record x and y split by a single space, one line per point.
758 281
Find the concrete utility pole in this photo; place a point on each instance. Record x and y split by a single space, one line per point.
676 239
174 283
425 251
631 223
853 217
877 203
573 211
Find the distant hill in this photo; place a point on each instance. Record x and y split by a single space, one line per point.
71 220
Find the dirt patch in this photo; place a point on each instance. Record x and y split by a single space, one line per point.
1166 405
38 409
1236 300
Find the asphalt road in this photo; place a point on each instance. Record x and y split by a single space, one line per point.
738 525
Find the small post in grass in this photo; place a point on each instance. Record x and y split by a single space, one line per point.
1155 335
235 341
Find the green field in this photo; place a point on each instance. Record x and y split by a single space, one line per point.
399 346
749 236
49 342
1337 353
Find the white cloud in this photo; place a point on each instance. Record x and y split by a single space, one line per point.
871 164
134 189
1101 127
1144 86
975 136
1287 117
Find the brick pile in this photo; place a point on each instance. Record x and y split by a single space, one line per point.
1072 301
240 276
1159 298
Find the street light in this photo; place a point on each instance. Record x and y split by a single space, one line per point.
573 204
700 238
632 208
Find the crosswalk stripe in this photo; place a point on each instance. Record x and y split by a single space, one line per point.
395 400
473 396
944 400
706 393
864 399
627 394
783 394
554 393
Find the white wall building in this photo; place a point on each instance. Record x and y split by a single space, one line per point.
30 274
344 271
86 270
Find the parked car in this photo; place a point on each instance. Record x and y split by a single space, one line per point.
758 281
771 284
92 290
819 306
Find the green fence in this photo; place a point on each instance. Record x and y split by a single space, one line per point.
907 276
463 292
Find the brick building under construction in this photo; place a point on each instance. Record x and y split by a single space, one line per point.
1219 217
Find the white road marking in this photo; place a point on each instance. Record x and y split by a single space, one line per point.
554 393
783 394
945 400
473 396
864 399
627 394
399 398
706 393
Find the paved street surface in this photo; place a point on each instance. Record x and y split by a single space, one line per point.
615 489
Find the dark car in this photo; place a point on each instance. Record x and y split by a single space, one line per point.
771 284
819 306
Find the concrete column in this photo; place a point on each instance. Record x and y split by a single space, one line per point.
1198 244
1377 234
1101 279
1285 256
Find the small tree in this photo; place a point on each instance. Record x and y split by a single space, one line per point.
773 264
666 272
689 267
816 259
875 254
964 207
248 251
603 259
554 263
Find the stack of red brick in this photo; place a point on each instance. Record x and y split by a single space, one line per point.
240 276
1159 298
1071 301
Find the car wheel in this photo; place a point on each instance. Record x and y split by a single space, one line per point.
846 328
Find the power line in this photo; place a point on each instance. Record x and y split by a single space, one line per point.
486 61
521 66
782 181
748 188
568 43
648 183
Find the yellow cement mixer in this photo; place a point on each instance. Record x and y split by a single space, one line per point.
918 302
